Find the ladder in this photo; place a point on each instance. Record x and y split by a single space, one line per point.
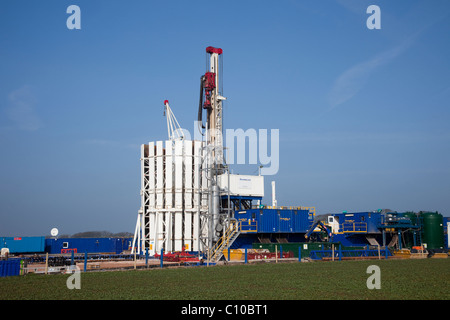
230 234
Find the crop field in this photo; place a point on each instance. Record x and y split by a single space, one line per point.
426 279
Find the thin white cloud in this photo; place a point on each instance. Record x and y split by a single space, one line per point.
21 109
351 81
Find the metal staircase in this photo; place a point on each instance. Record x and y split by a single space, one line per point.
230 234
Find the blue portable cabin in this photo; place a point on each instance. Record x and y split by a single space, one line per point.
278 220
19 245
89 245
266 219
270 224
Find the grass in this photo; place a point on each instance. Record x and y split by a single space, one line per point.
426 279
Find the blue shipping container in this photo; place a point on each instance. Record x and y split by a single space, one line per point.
268 221
302 221
90 245
275 220
286 219
23 244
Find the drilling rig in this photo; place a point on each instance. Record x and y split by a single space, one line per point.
211 101
186 192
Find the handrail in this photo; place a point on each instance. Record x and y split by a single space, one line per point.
312 210
231 230
251 226
353 227
357 253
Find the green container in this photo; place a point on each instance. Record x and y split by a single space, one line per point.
432 230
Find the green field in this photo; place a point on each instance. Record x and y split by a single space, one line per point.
427 279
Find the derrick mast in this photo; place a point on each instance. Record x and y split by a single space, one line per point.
211 101
185 184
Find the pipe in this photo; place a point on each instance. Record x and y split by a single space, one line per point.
200 103
215 211
274 199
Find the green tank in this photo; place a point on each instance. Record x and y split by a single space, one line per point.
432 230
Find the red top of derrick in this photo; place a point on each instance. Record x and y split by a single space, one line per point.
166 102
214 50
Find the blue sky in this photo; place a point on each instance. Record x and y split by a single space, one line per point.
363 114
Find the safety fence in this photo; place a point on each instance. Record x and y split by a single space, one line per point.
339 254
67 259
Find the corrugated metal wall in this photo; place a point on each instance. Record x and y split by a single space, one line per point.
10 267
17 245
277 220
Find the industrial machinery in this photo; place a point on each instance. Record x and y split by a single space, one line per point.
191 202
189 198
383 228
180 192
